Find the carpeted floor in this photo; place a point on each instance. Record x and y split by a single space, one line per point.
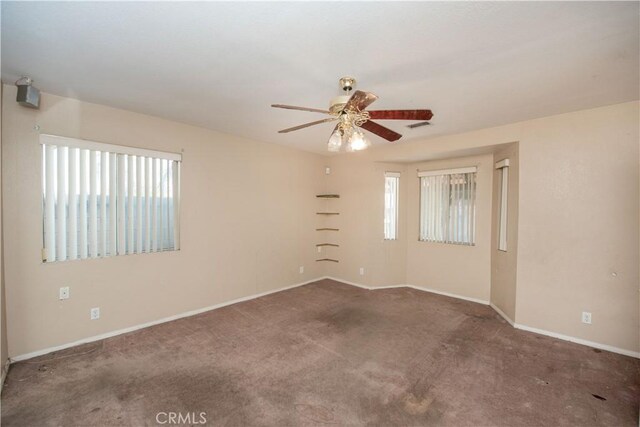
329 354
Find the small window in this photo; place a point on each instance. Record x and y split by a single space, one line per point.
448 206
104 200
391 188
503 176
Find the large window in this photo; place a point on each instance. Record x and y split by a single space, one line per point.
503 174
103 200
391 190
448 206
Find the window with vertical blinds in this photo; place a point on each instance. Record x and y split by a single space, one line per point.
448 206
391 189
503 175
104 200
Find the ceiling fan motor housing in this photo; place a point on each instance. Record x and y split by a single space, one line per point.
337 104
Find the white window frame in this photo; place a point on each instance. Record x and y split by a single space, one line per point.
430 229
503 194
71 232
391 232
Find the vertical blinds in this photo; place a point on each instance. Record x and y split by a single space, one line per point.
105 200
503 171
447 206
391 188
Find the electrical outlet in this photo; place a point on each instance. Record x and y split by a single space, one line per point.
586 317
95 313
362 271
64 292
301 269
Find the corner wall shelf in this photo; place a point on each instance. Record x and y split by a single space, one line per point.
328 211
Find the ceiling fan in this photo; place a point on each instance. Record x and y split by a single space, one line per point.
349 110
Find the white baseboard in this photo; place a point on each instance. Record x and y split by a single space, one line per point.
152 323
420 288
578 341
5 371
447 294
346 282
502 313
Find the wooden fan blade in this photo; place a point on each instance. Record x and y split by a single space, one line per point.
381 131
360 100
306 125
293 107
401 114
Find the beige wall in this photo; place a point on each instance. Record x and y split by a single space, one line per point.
578 210
247 224
4 350
360 183
504 264
578 225
457 269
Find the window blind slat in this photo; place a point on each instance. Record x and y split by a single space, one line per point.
139 191
504 188
161 215
113 183
84 191
61 204
176 205
104 183
169 234
93 204
50 204
73 203
154 212
122 189
130 194
148 185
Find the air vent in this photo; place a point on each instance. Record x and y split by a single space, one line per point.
417 125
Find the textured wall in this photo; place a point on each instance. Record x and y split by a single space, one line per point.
504 265
247 225
578 210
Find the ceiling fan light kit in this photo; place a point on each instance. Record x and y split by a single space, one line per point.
348 110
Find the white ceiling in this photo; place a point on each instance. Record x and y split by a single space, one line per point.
220 65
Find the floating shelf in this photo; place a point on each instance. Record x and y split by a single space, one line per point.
327 229
327 259
328 244
328 196
327 213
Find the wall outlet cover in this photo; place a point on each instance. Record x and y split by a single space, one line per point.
64 293
362 271
301 269
586 317
95 313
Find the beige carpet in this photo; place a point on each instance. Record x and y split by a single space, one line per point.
329 354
